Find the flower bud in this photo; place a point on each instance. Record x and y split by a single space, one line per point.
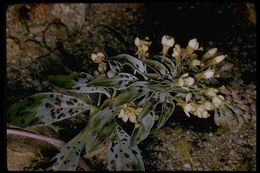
209 73
194 44
209 54
188 97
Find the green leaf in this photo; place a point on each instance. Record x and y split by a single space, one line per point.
46 108
68 157
156 66
122 156
158 87
167 110
80 85
152 101
64 81
129 60
167 62
120 81
104 116
96 137
131 94
140 133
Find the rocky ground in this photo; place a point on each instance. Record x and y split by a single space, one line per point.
42 39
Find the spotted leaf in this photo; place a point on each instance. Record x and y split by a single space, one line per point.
64 81
96 137
140 133
104 116
81 85
167 63
132 93
151 103
46 108
129 60
120 81
156 66
122 156
167 110
68 157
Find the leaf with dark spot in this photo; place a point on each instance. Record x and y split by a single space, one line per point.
121 157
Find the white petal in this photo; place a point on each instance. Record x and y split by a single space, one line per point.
185 75
137 41
193 43
121 114
180 82
125 118
100 54
170 42
187 113
132 118
164 40
189 81
93 56
188 97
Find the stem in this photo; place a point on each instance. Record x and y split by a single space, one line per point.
99 99
51 140
114 92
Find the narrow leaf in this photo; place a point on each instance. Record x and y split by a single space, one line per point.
97 137
68 157
167 110
122 156
140 133
156 66
129 60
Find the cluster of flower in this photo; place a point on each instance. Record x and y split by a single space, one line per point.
199 98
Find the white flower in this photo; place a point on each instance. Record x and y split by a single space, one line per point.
208 106
189 81
99 58
142 47
180 82
167 41
218 101
195 62
189 108
209 73
194 44
201 112
184 80
211 92
129 112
